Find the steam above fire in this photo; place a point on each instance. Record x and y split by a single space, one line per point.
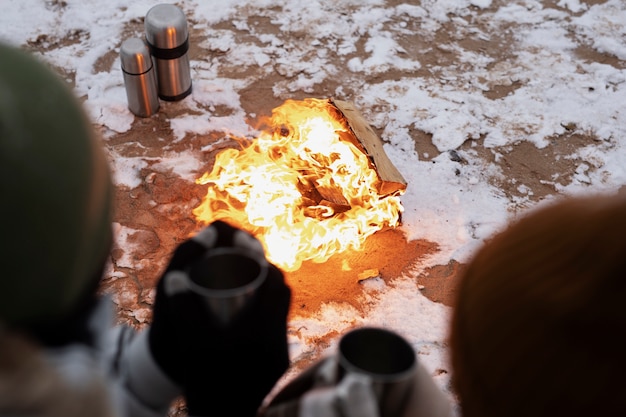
304 187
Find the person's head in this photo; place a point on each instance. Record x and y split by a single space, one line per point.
540 317
56 196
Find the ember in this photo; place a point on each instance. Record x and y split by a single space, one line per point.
305 187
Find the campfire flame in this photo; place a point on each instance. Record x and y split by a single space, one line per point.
303 187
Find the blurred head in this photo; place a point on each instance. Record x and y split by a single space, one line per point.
56 195
539 322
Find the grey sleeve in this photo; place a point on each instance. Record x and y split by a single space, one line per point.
139 387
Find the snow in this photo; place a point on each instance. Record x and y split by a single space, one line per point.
554 88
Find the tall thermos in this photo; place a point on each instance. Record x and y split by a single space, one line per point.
168 38
139 77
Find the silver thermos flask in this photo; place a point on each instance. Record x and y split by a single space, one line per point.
168 39
139 77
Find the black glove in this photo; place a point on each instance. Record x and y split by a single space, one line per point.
224 370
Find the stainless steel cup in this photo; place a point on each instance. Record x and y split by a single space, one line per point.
227 278
139 77
386 358
168 38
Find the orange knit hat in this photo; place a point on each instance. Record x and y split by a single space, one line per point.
539 324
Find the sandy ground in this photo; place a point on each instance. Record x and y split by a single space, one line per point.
159 228
163 226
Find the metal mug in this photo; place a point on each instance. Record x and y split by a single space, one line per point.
386 358
227 278
168 38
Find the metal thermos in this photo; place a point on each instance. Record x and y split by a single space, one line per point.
168 39
139 77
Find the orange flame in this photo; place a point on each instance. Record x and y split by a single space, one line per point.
302 187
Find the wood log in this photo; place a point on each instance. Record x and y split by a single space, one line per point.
392 181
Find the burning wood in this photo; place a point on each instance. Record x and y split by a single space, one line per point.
364 138
315 183
392 181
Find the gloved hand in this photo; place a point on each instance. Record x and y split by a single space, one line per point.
224 370
317 392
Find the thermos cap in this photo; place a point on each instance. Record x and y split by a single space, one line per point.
135 56
166 26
